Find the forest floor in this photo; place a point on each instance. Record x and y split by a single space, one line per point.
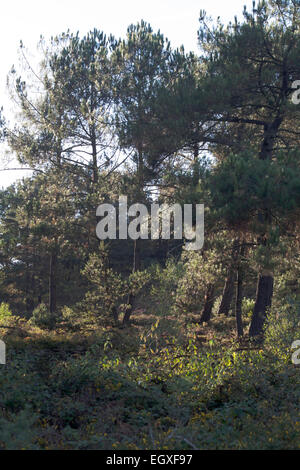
152 385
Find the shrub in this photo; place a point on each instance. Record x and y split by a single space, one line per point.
199 272
71 316
247 307
164 285
4 311
282 328
108 288
110 291
18 431
42 317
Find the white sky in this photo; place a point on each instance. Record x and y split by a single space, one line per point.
26 20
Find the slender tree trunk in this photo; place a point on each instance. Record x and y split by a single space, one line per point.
29 291
208 304
94 156
52 282
115 315
128 312
136 267
163 250
136 246
228 290
93 138
136 255
239 294
227 293
30 297
264 293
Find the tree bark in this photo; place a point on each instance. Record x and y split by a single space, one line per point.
208 305
228 290
136 255
264 293
52 282
29 291
136 244
239 295
128 312
227 293
94 154
136 267
115 315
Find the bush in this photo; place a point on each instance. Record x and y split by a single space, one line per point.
248 307
4 311
18 432
42 317
71 316
199 272
164 285
282 328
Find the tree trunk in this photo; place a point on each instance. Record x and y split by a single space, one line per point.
128 311
136 246
263 301
136 267
115 315
239 295
228 290
163 249
227 293
93 138
52 283
208 305
136 255
29 291
94 156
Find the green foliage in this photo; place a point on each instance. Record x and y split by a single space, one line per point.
245 185
283 328
5 311
42 317
155 388
247 307
164 285
19 432
110 292
69 315
109 288
200 270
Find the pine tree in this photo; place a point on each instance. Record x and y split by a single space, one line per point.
250 68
